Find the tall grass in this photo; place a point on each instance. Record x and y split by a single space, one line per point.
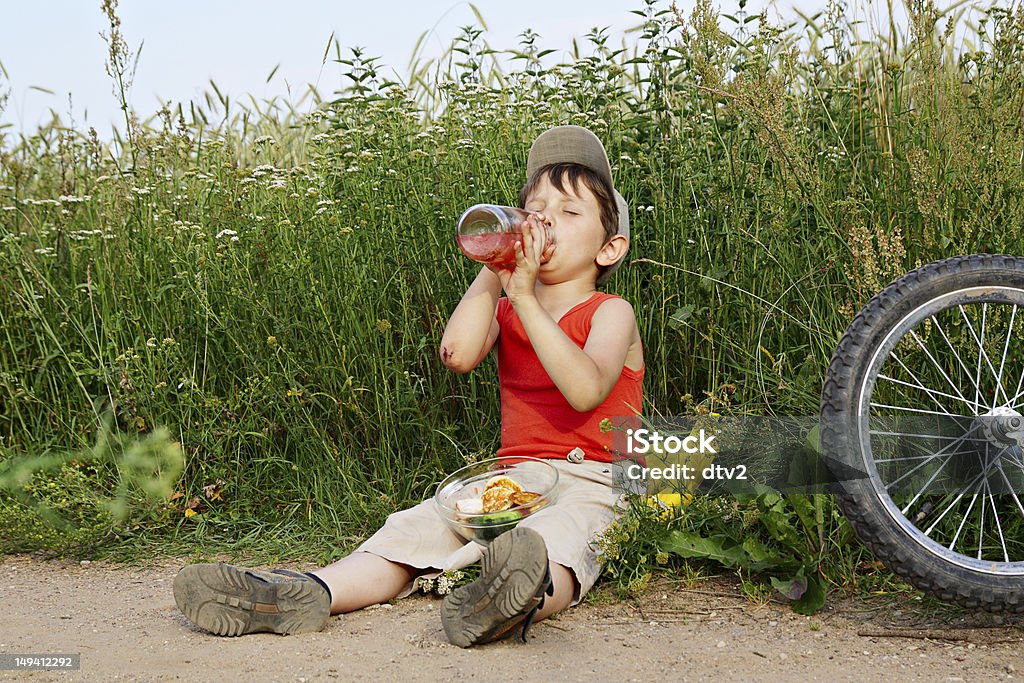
270 280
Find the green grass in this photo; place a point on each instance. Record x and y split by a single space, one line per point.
271 285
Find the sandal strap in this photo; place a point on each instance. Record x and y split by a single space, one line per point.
549 589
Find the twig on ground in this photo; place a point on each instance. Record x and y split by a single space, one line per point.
950 635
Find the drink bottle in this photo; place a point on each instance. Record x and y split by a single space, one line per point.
488 233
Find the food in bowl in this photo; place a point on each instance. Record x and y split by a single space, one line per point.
500 493
484 500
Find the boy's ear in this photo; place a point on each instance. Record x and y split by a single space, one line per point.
613 250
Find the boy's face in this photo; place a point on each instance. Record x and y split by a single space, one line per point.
575 219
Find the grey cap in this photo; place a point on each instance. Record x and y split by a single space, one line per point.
577 145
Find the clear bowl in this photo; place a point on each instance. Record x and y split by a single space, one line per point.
533 474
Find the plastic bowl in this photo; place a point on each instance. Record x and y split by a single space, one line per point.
533 474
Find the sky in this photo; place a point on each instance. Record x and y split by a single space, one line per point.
55 45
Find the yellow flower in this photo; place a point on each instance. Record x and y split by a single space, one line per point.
666 503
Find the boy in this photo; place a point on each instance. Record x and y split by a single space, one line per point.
569 357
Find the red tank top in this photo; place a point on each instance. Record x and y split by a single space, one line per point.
536 420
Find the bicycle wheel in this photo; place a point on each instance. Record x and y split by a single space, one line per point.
921 425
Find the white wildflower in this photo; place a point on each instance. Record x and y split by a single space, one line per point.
229 233
447 581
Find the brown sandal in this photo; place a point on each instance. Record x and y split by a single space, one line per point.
231 601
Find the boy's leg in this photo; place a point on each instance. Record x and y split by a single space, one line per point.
564 584
363 579
232 600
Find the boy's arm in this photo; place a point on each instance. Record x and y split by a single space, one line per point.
584 376
472 327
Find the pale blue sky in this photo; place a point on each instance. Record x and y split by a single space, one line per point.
55 44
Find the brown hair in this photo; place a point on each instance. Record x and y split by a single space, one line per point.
575 174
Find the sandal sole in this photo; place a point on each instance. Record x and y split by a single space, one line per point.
512 573
229 601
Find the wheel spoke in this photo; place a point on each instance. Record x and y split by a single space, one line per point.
922 457
940 368
981 527
929 459
1006 348
959 360
981 352
967 514
963 493
916 410
931 392
977 383
922 436
1009 486
927 483
1017 393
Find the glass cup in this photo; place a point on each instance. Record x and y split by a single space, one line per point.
488 233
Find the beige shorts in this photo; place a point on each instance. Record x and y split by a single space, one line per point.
585 506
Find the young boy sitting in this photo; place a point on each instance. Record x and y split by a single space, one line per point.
569 357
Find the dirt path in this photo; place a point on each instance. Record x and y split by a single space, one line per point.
124 623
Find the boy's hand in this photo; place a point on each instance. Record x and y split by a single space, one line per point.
530 254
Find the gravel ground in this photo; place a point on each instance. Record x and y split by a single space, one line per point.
123 622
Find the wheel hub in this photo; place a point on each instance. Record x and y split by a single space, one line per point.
1001 427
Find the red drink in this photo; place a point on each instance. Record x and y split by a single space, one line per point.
498 248
488 233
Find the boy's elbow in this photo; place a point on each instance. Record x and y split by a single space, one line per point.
584 406
585 401
455 361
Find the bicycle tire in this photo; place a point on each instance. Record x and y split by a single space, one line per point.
909 543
